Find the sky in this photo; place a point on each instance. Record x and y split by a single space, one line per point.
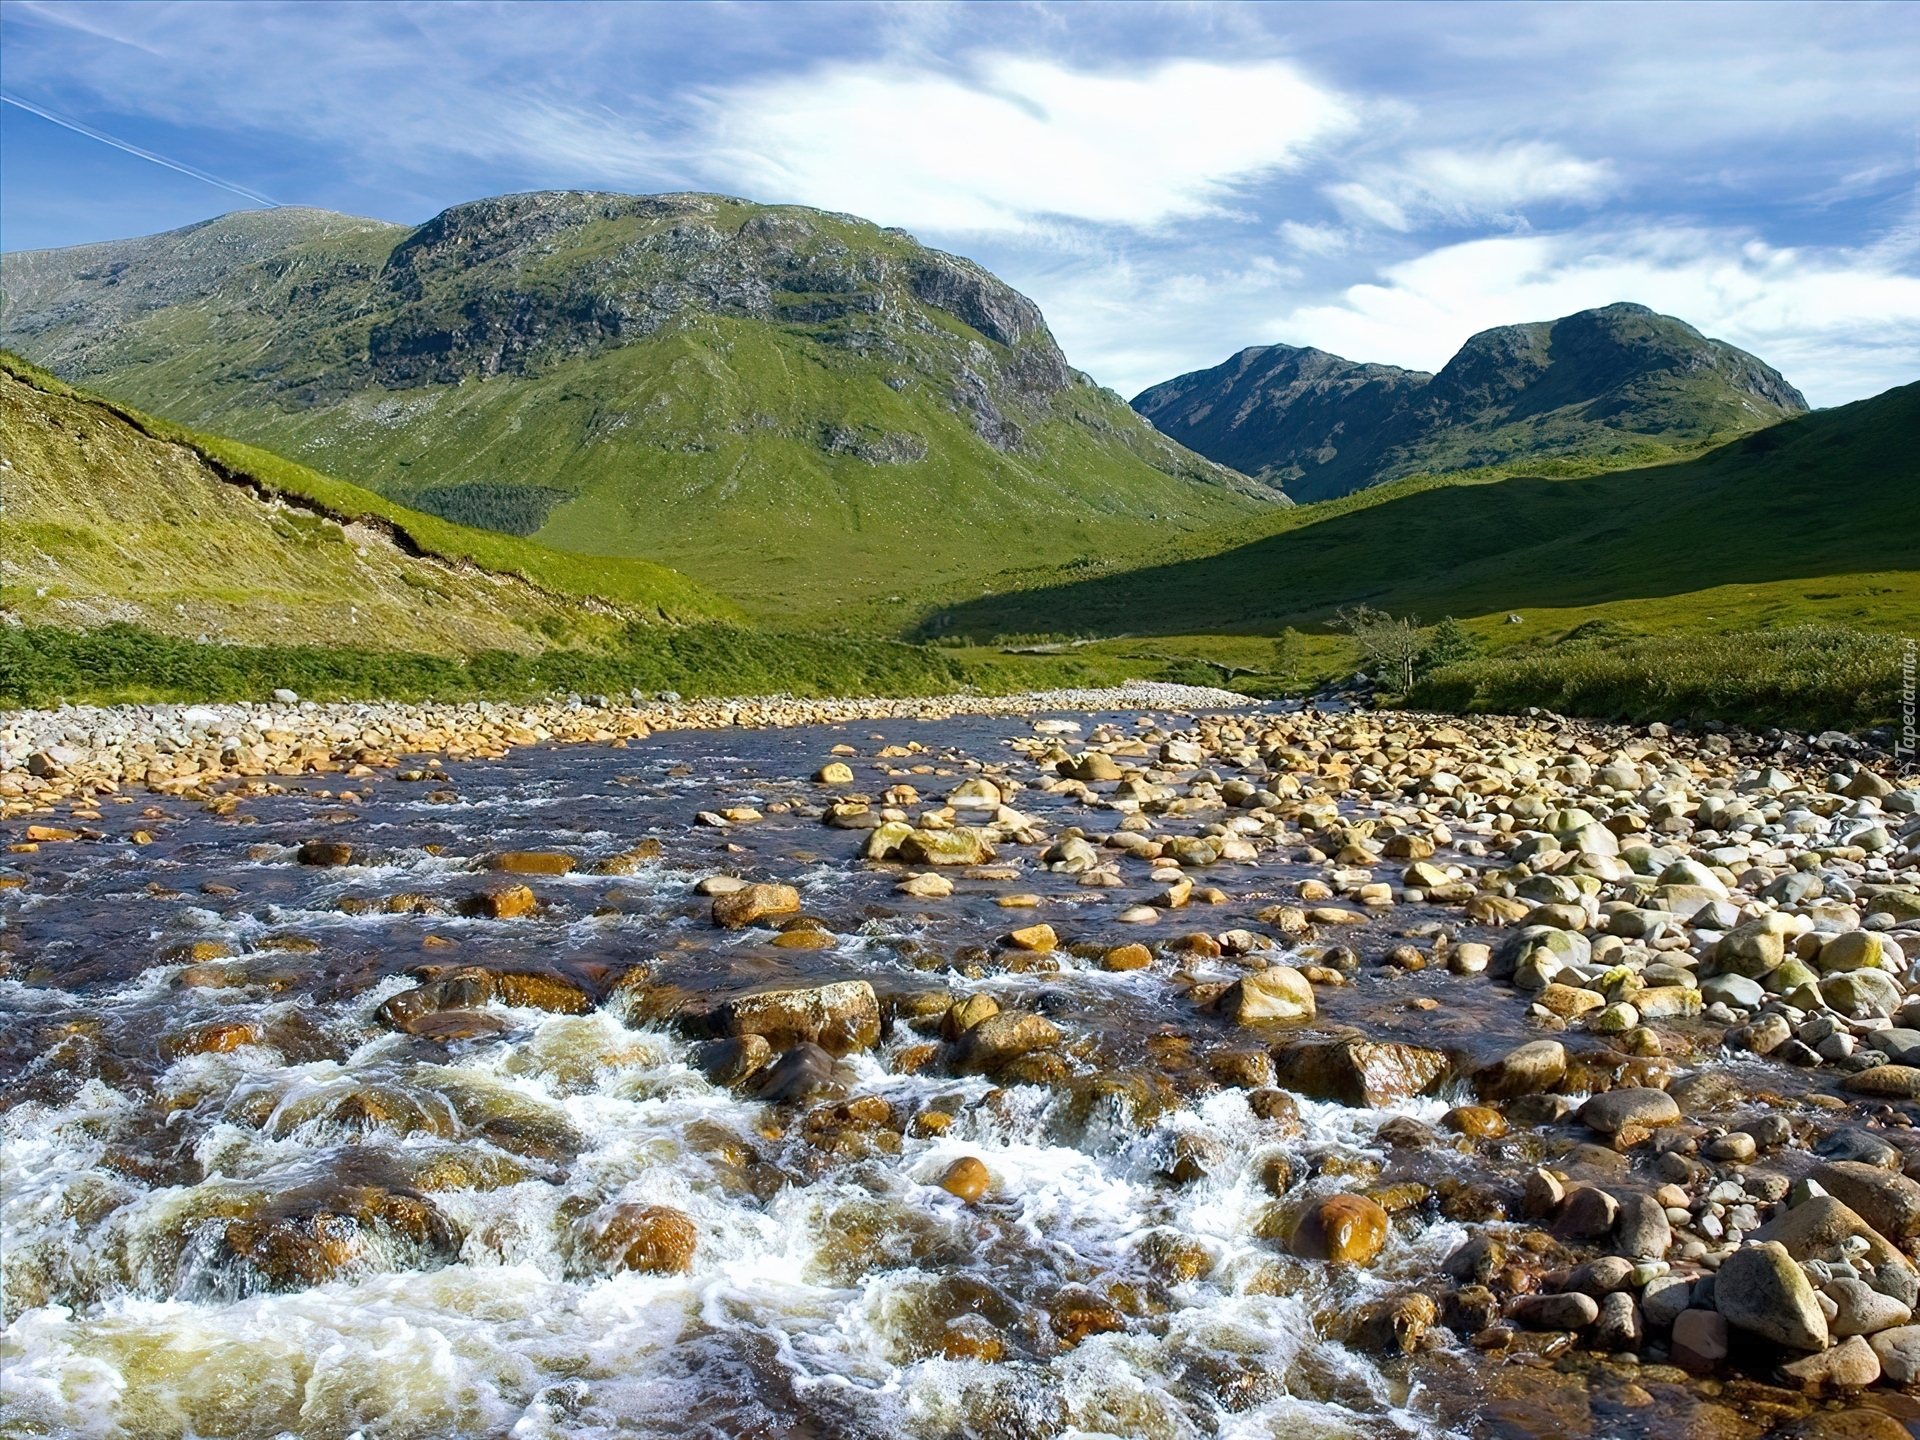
1170 183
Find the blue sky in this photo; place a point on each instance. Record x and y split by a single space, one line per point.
1171 183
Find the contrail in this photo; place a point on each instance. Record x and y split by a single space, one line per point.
105 139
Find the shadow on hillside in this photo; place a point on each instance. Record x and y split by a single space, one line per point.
1830 493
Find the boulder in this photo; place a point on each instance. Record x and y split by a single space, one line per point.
1361 1073
1528 1069
1344 1229
961 845
803 1072
839 1018
753 903
1899 1354
1889 1082
1641 1230
1885 1199
1279 993
1762 1289
1811 1230
1699 1339
1611 1110
652 1239
531 862
1001 1038
1862 1310
1571 1311
1851 1365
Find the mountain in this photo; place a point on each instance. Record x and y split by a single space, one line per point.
798 408
1808 502
113 517
1619 383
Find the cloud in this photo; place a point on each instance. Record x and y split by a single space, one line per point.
1839 324
1464 187
1314 239
1020 138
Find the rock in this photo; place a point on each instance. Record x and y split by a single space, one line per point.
1360 1073
652 1239
835 772
1076 1313
967 1178
925 887
1277 994
1699 1339
1898 1043
1619 1326
995 1041
1611 1110
1276 1106
501 902
1899 1354
1890 1082
1528 1069
1567 1001
1482 1122
1600 1278
1851 950
325 852
1862 992
1469 958
1588 1213
1664 1298
1751 949
804 1071
1735 991
1851 1365
1037 939
884 840
753 903
1344 1229
961 845
1862 1310
1735 1148
1761 1289
1571 1311
1814 1226
1541 1193
1127 957
728 1062
1642 1230
1886 1200
839 1018
531 862
975 794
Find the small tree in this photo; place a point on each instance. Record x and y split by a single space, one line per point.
1447 643
1289 654
1388 647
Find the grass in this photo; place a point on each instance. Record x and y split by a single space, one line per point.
726 447
633 585
1811 677
1805 509
120 664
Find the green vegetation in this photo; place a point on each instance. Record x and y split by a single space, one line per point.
806 412
128 663
1816 677
1808 507
90 474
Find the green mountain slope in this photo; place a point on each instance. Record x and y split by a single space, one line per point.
798 408
111 517
1620 383
1833 493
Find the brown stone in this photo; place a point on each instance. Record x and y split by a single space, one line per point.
1127 957
1344 1229
1036 938
1361 1072
839 1018
967 1178
501 902
531 862
1077 1313
326 852
1482 1122
653 1239
753 903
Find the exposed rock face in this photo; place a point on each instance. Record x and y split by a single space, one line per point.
1591 382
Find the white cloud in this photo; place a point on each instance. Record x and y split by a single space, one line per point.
1028 138
1314 239
1465 187
1837 324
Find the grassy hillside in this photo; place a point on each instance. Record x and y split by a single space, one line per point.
114 516
1816 502
799 409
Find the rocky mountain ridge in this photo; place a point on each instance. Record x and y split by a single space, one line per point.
1615 381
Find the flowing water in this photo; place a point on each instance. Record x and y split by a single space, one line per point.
238 1204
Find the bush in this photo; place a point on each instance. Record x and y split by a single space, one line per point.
1448 643
1812 677
127 663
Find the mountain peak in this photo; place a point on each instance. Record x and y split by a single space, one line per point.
1599 382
